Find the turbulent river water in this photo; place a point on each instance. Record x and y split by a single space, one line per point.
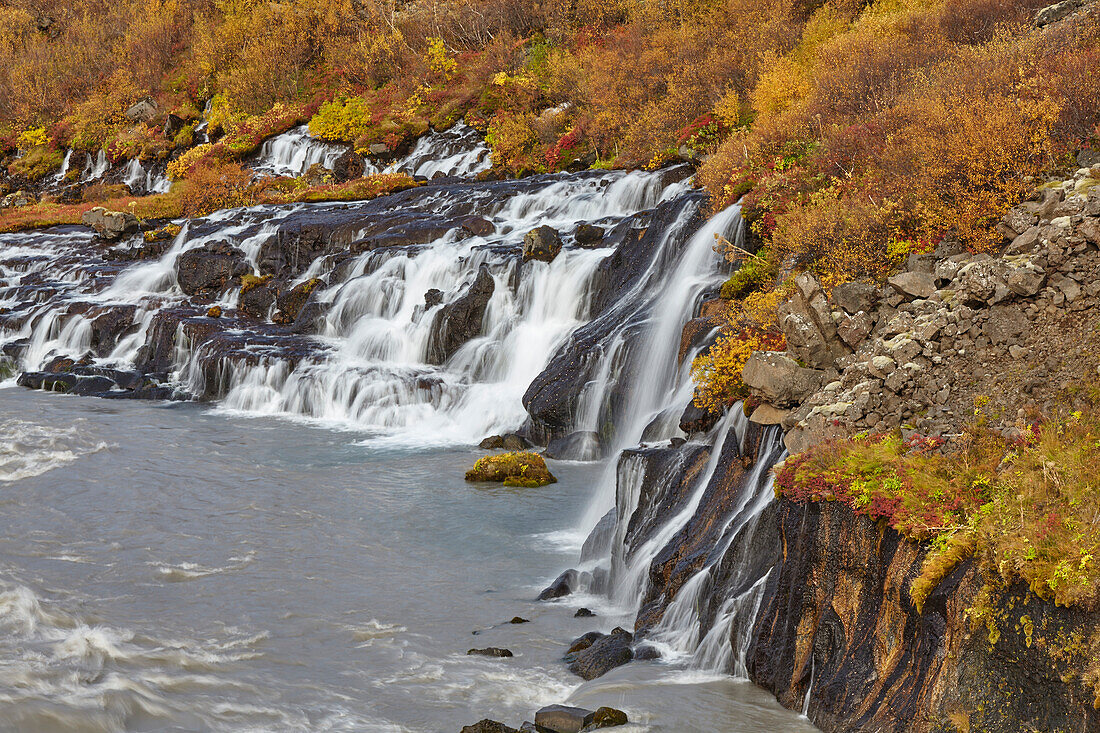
171 567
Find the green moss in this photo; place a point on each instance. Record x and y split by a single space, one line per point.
37 162
525 469
755 273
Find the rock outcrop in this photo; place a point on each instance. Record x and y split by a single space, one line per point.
460 320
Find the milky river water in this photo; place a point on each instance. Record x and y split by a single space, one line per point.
173 568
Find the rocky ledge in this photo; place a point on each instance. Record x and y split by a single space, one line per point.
1014 331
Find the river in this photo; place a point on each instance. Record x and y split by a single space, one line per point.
172 567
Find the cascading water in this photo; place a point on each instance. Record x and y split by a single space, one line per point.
367 367
294 152
458 151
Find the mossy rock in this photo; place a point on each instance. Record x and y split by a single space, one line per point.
523 469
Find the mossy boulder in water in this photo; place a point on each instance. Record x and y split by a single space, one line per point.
513 469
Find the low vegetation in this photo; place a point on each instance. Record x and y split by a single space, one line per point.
524 469
1027 508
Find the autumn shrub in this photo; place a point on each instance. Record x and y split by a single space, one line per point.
214 185
1025 507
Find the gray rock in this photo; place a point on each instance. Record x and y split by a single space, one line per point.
854 329
914 284
767 414
144 110
1027 241
1056 12
855 297
110 225
542 243
563 719
1026 280
378 149
808 325
779 379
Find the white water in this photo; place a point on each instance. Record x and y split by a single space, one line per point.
142 181
294 152
374 374
59 177
458 151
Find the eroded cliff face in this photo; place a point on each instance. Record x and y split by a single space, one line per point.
813 603
837 623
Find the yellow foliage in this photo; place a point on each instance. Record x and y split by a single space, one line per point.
33 137
439 62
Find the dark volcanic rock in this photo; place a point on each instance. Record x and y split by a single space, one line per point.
589 235
604 655
257 300
460 320
210 269
562 586
542 243
563 719
491 651
579 446
606 717
488 726
842 586
292 301
698 419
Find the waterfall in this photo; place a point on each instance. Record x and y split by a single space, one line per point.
458 151
294 152
59 177
366 363
96 167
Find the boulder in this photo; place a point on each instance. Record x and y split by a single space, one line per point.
855 297
491 651
767 414
542 243
524 469
563 719
111 225
584 613
460 320
914 284
583 642
1026 280
1057 11
1005 325
606 717
347 166
488 726
519 620
210 269
582 445
292 302
588 236
563 585
697 419
604 655
493 442
478 226
144 110
433 297
808 324
256 298
779 379
17 200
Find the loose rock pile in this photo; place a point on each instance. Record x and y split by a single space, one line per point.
1009 334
